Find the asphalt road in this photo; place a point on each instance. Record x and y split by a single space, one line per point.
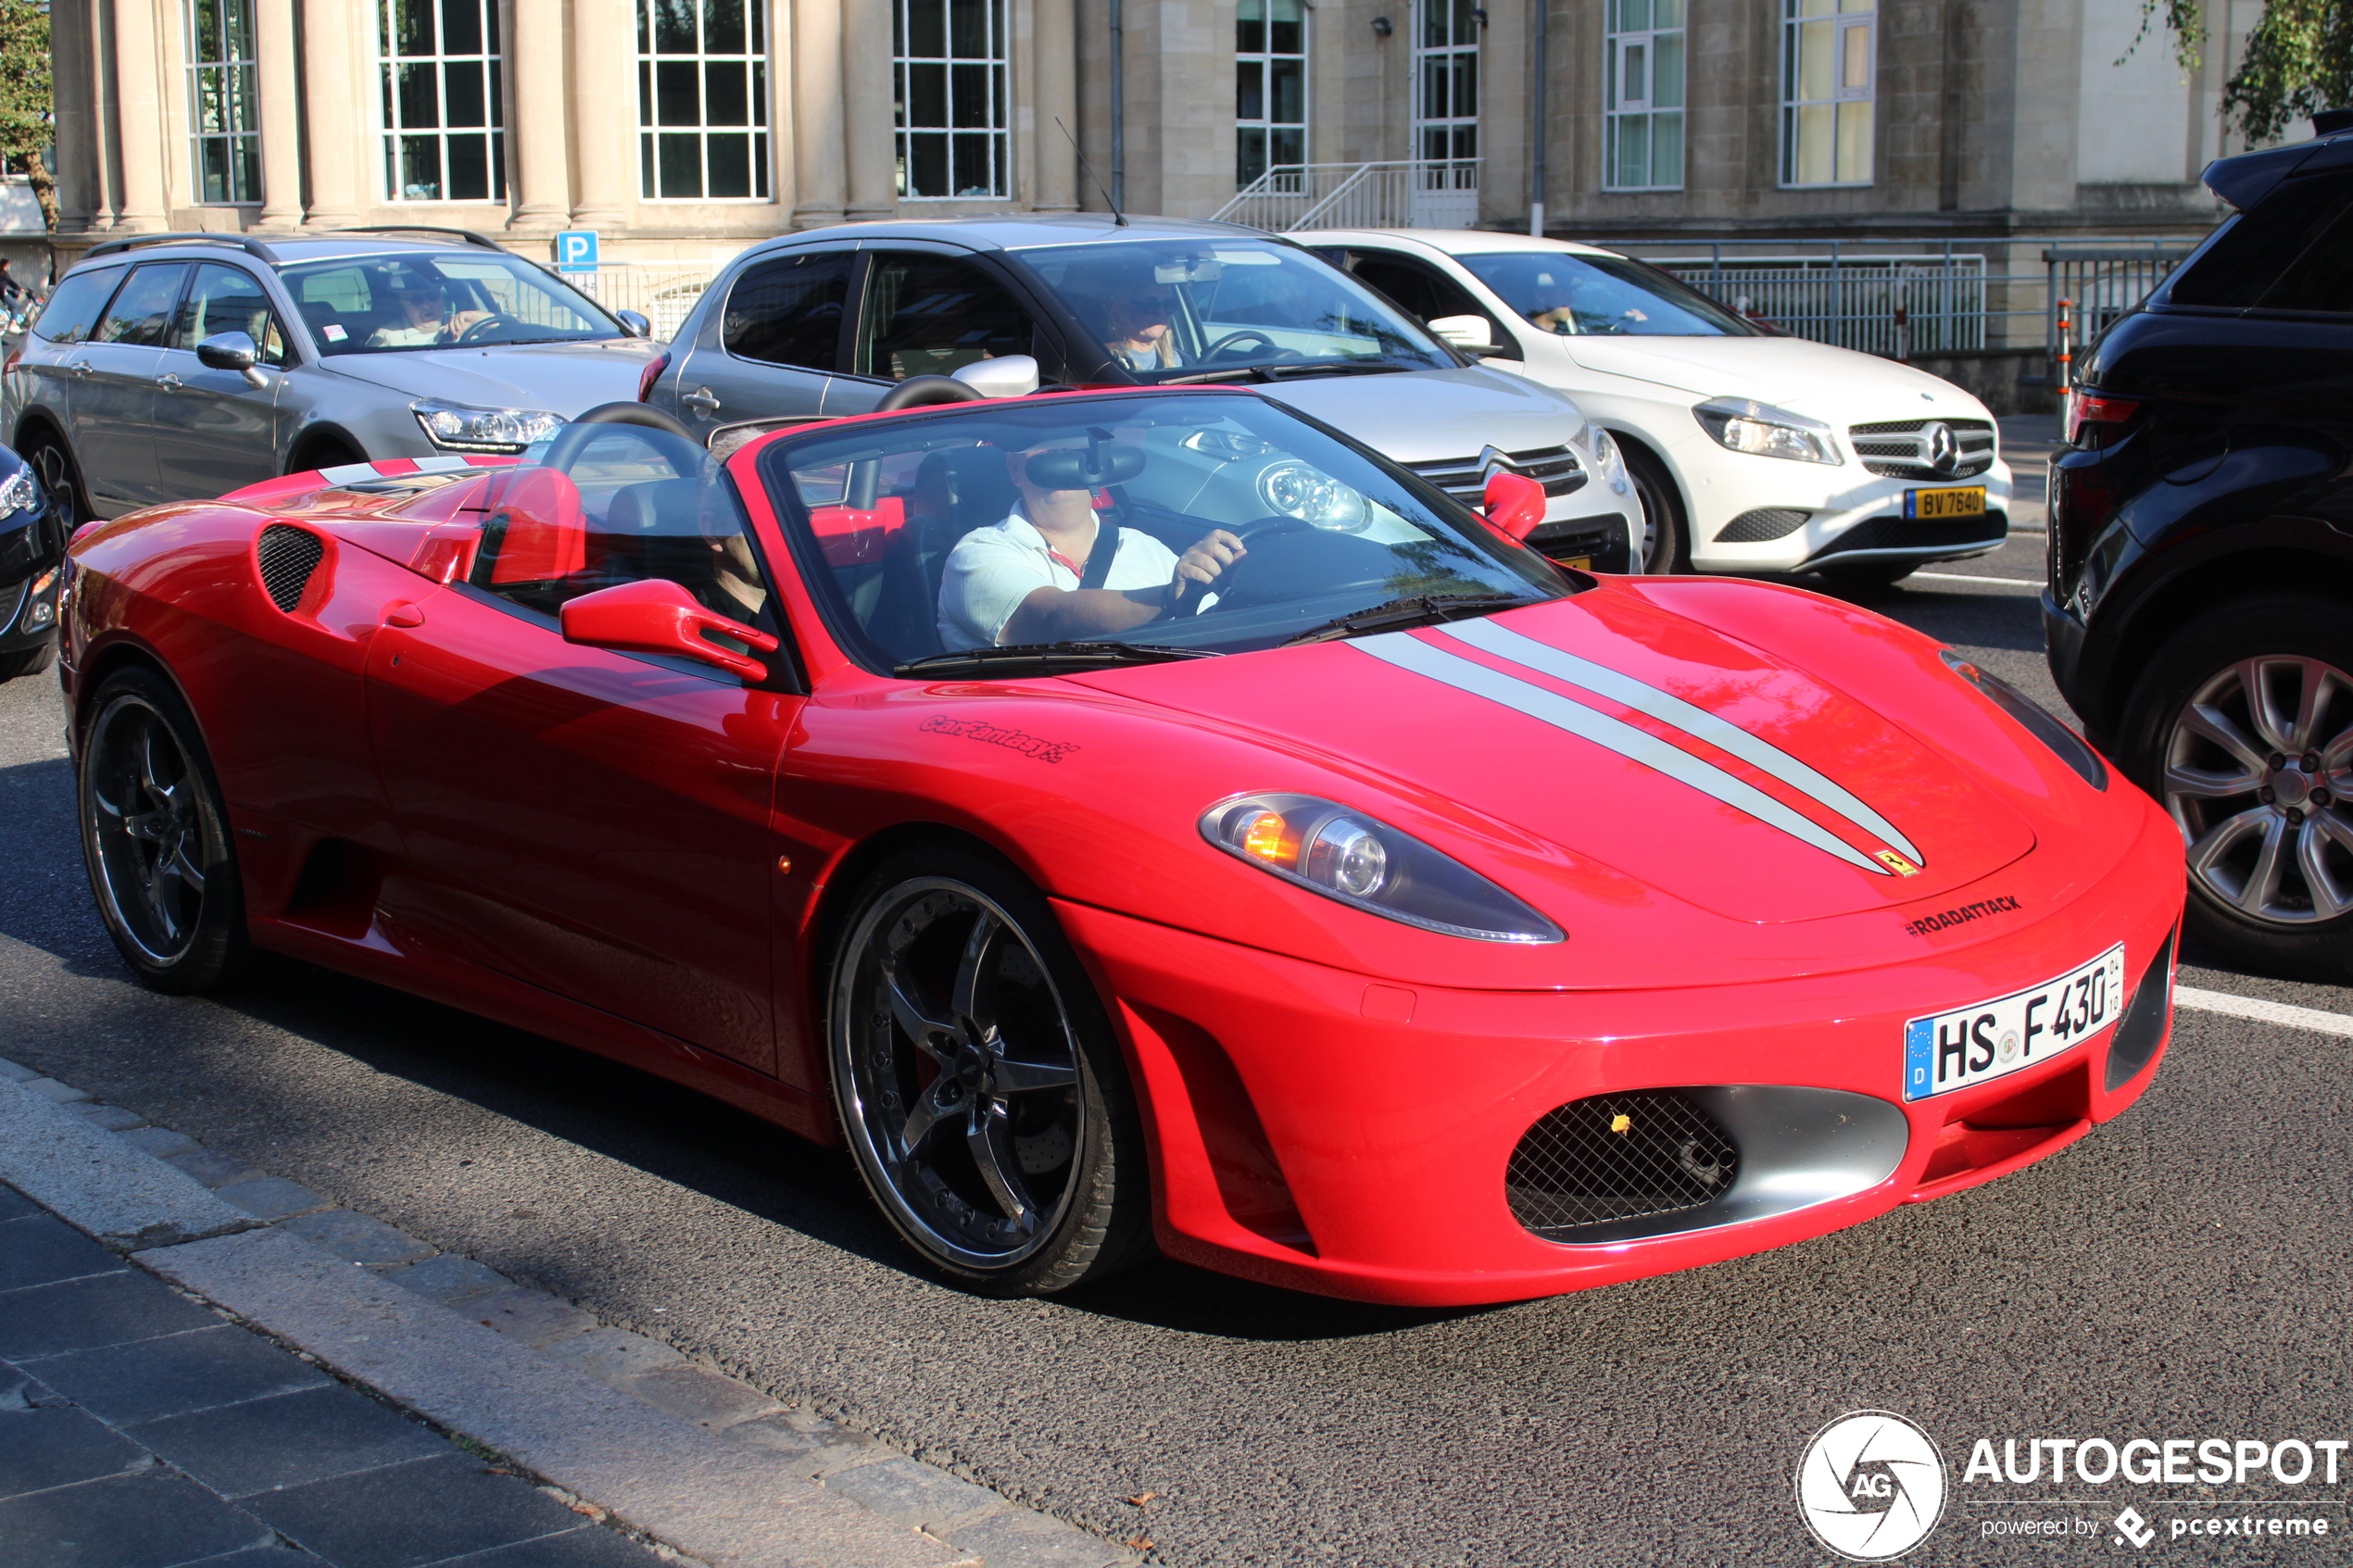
2182 1273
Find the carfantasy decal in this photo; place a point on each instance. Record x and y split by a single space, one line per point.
1408 652
973 729
1961 916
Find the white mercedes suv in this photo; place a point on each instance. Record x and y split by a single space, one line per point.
1752 451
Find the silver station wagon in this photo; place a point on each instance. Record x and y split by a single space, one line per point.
176 366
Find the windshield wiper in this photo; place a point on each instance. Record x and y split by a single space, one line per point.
1048 659
1422 610
1336 367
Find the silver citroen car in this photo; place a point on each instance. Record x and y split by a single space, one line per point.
177 367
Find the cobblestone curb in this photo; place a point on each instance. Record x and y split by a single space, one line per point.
705 1464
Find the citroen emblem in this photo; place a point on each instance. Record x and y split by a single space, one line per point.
1493 462
1941 447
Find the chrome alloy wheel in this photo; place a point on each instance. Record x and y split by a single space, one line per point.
55 470
2256 770
146 828
959 1075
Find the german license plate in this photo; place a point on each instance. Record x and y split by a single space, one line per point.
1968 500
1975 1045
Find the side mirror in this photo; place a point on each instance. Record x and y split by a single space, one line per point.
1514 505
1470 333
655 615
633 322
232 351
1010 375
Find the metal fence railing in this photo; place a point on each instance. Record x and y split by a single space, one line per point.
2105 279
1407 194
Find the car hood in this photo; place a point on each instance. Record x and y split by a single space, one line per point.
1788 372
1430 416
1637 741
563 378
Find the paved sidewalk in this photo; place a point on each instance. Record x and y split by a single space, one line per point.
140 1429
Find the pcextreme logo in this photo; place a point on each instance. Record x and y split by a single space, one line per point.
1871 1486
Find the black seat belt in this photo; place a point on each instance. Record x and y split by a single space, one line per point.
1099 558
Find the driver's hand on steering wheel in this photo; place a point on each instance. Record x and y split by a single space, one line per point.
460 323
1204 561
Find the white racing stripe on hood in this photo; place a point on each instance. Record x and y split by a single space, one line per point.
1668 708
1410 653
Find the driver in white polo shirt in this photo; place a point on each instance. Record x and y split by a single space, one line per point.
1026 580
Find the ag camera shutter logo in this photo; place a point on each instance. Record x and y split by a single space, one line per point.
1871 1486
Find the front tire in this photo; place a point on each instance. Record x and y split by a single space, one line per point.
2241 727
61 477
155 837
28 662
979 1085
1666 544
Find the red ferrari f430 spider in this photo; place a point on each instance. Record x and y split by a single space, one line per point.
1136 819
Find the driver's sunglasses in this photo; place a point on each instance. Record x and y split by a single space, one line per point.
1144 304
418 296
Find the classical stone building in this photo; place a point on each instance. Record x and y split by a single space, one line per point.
681 128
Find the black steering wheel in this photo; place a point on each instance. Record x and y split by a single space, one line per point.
1247 334
574 438
1226 586
492 319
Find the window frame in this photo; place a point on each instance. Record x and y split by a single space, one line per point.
242 139
1465 17
857 340
758 132
489 62
1264 59
997 130
1842 17
1618 114
286 356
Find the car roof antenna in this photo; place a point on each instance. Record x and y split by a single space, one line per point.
1118 219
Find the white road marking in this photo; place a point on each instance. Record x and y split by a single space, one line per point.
2282 1013
2004 582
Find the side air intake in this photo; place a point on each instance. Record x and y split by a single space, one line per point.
287 556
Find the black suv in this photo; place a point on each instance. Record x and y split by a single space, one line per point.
2199 613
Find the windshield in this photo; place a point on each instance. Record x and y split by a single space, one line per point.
1180 309
1231 522
1569 294
402 304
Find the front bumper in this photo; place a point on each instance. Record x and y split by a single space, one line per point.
1327 1131
1846 514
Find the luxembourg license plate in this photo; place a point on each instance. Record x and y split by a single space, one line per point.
1975 1045
1968 500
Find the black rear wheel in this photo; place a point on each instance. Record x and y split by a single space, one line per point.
980 1090
155 838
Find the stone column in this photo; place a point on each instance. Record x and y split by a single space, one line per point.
139 115
1057 96
277 73
338 37
535 116
868 136
604 74
817 113
74 60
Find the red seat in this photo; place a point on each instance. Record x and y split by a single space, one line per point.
542 534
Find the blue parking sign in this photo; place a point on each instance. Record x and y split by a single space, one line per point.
576 250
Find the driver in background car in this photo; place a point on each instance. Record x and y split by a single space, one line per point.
1582 303
423 316
1019 581
1136 309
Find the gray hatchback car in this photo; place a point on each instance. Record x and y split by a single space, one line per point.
175 367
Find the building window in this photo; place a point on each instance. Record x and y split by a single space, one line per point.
225 115
1830 54
443 121
953 97
1447 84
1270 86
1642 96
703 100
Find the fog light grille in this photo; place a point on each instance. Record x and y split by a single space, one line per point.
1766 522
1618 1157
287 556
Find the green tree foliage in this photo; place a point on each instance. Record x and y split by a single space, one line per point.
27 127
2298 61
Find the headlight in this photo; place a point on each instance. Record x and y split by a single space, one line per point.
1294 489
2035 717
19 493
1343 855
1607 459
1763 430
457 428
40 608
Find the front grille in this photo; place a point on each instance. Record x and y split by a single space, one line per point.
1618 1157
1899 448
1554 468
1599 541
1907 533
1766 522
287 556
